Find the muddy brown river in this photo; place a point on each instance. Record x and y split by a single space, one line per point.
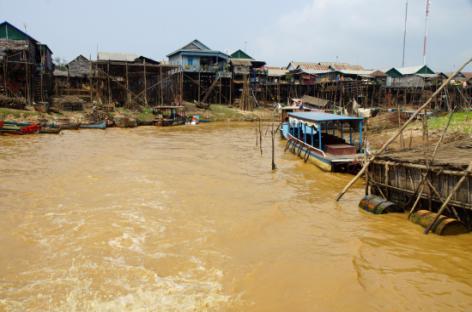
193 219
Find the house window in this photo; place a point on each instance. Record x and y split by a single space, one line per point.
190 60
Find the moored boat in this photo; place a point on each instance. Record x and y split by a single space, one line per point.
50 130
68 126
169 116
321 139
19 128
98 125
17 123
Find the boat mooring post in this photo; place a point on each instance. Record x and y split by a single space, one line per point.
319 135
272 132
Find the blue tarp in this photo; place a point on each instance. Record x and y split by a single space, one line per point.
319 117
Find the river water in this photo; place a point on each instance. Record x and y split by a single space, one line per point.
193 219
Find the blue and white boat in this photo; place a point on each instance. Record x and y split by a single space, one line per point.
331 142
98 125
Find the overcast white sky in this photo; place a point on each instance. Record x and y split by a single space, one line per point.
366 32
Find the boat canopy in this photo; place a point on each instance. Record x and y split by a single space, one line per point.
317 117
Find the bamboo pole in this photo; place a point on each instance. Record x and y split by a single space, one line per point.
199 85
41 82
109 85
26 80
399 131
90 79
272 132
128 97
145 83
161 86
5 73
451 194
181 89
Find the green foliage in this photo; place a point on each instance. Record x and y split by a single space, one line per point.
146 115
461 122
16 113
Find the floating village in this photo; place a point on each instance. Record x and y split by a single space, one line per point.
329 113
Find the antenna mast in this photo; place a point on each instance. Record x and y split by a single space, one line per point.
425 43
404 33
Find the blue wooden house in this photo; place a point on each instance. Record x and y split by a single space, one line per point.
197 57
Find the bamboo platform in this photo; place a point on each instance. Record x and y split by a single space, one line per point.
398 177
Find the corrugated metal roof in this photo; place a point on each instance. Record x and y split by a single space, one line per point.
467 75
116 56
275 71
409 70
342 66
319 116
378 73
308 66
198 48
366 73
316 71
314 101
241 62
60 73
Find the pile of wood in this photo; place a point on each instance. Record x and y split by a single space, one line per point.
387 120
247 101
12 102
68 103
125 122
97 114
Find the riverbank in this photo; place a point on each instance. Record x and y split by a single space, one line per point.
382 127
216 112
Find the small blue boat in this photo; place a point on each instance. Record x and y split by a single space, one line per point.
17 123
98 125
320 138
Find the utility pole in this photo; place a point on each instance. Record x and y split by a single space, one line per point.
404 33
425 42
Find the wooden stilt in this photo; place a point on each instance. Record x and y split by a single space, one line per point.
145 83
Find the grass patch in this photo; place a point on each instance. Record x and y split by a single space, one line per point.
461 122
16 113
223 112
146 115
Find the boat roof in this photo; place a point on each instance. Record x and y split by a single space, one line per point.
320 116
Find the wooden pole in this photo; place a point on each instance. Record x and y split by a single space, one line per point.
5 73
26 79
145 83
181 90
109 85
90 79
41 81
199 86
451 194
399 131
231 91
161 86
128 97
272 132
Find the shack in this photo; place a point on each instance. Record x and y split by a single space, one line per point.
76 79
26 64
126 79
